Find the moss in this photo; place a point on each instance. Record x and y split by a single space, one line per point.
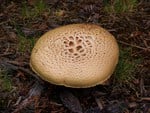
120 6
26 44
29 12
5 81
125 71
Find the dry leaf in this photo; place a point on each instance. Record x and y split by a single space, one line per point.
70 101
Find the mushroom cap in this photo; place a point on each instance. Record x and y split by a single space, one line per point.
75 55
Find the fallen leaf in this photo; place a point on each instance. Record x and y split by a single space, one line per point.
116 107
93 110
70 101
33 96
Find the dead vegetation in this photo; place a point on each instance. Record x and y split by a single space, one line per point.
22 23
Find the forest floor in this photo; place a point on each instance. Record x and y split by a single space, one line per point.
22 23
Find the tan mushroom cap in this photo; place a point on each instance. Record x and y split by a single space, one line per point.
76 55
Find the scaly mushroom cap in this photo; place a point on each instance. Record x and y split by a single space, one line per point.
76 55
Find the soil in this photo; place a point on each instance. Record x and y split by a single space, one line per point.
22 23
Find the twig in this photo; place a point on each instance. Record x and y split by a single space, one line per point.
145 98
5 54
13 67
139 47
4 22
142 89
100 105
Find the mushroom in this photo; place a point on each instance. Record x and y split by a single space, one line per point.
75 55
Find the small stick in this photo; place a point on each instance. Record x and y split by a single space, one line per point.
100 105
13 67
139 47
145 98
